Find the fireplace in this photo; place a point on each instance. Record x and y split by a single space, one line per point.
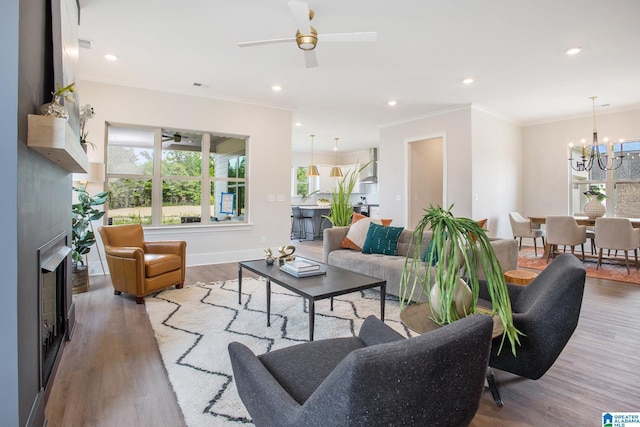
53 265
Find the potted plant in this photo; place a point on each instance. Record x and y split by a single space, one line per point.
86 113
82 234
55 108
458 246
341 208
594 207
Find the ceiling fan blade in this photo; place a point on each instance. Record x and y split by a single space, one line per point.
300 11
310 59
369 36
271 41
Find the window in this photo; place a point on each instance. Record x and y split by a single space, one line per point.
166 177
300 182
621 185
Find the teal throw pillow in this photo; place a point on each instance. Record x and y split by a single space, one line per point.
427 253
381 239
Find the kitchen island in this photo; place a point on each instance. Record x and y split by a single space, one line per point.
315 222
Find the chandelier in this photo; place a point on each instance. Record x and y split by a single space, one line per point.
592 156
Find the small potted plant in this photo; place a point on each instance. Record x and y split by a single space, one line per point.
86 113
268 256
595 208
55 108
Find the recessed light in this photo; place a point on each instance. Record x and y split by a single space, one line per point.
468 81
573 50
276 88
111 57
392 103
298 124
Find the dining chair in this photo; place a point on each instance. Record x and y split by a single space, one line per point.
591 234
522 227
564 230
617 234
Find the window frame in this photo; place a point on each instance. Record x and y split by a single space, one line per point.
207 181
608 180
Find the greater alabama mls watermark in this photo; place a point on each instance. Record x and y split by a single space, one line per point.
621 419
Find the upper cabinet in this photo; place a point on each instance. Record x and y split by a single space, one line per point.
328 184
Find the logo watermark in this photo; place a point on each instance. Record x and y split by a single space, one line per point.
621 419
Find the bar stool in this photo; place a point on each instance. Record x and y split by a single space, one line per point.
299 219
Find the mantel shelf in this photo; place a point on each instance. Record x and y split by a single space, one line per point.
54 139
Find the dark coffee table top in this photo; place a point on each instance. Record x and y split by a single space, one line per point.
336 281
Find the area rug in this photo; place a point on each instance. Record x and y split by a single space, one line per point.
608 270
194 325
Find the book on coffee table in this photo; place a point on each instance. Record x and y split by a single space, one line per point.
303 274
301 265
302 268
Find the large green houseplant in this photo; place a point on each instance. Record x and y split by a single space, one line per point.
341 207
82 234
458 246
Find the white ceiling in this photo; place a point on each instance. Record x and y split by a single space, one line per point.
514 49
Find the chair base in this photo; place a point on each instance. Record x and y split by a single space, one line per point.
140 300
626 259
493 387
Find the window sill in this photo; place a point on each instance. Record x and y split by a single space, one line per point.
198 228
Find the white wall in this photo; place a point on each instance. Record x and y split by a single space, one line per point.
497 165
269 157
546 172
482 157
455 129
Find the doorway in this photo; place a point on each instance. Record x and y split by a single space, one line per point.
426 177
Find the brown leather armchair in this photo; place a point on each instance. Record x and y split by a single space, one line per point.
138 267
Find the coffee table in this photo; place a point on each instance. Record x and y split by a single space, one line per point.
336 281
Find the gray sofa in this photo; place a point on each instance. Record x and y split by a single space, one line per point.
390 267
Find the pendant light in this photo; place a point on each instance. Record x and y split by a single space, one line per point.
336 172
312 170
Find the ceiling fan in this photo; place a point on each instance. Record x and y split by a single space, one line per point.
307 37
167 136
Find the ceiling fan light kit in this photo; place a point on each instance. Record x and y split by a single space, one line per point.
307 41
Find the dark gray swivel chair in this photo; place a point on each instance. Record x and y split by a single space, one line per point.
376 379
546 311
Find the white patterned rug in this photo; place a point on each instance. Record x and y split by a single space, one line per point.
194 325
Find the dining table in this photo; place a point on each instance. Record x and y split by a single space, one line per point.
581 220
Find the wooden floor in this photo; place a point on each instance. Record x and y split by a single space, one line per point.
111 373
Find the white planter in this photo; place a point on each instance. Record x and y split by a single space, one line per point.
594 209
463 299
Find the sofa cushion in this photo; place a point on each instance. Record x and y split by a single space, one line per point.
432 248
358 231
382 240
157 264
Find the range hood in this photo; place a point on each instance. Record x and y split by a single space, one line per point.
369 175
